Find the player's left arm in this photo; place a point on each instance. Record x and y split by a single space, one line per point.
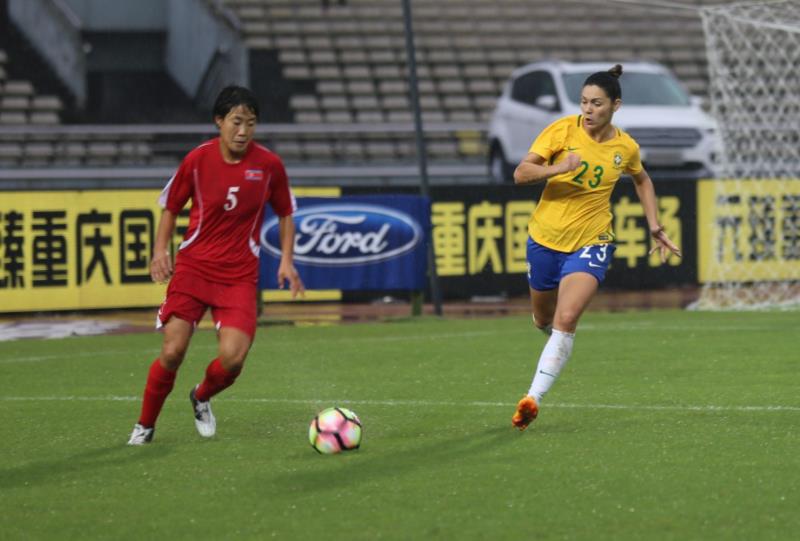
161 266
284 205
286 270
647 196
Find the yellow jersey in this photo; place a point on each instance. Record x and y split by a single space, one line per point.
575 210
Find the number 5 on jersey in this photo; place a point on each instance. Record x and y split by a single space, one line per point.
231 200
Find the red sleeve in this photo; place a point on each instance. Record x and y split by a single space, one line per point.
179 188
281 199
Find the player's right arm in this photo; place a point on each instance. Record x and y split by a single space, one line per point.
161 266
532 168
540 163
172 199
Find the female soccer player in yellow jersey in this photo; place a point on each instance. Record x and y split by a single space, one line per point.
571 242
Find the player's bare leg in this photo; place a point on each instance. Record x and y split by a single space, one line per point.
234 344
543 309
177 333
220 374
161 378
576 291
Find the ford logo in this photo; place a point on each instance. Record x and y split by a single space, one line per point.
346 234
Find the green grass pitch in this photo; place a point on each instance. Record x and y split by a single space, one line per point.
664 425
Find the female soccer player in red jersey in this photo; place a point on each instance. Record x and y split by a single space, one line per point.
571 241
229 180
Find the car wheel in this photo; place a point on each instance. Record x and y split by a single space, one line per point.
500 170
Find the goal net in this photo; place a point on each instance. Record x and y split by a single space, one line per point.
749 217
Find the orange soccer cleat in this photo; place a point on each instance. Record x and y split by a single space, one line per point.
527 410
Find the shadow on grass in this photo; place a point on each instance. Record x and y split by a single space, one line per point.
361 467
89 460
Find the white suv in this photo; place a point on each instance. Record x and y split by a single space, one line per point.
675 136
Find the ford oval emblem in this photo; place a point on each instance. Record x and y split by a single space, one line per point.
346 234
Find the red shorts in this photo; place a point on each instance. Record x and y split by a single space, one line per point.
189 295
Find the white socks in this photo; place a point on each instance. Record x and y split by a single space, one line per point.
554 356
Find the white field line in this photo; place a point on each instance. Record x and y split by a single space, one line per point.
85 355
424 403
404 338
9 359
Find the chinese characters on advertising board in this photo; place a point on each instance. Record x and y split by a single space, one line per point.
91 249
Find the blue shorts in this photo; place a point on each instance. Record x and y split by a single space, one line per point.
547 267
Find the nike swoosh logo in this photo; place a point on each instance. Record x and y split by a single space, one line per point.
570 149
547 373
594 266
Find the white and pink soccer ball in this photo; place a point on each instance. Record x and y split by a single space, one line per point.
334 430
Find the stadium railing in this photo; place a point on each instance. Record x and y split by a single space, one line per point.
88 156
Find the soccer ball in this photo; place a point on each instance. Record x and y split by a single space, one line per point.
334 430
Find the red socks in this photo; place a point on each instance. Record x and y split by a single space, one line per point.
216 380
159 384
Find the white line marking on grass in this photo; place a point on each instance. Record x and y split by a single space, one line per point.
398 338
79 355
69 398
145 353
56 329
708 408
420 403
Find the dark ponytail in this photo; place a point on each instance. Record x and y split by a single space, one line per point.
608 81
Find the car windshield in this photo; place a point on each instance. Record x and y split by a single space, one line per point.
637 89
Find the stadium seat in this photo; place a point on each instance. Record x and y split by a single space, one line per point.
13 117
304 102
133 153
308 117
381 150
18 88
99 153
14 103
44 118
317 151
10 154
46 103
361 88
400 116
70 152
38 154
353 151
334 102
370 117
338 117
331 87
396 103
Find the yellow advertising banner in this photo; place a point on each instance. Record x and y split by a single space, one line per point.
468 235
748 230
77 250
82 249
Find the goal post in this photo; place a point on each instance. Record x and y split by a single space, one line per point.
749 238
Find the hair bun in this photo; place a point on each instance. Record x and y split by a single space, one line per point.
616 71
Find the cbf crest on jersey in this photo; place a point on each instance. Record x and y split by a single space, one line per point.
617 159
356 242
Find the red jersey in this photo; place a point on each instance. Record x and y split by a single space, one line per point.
222 241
